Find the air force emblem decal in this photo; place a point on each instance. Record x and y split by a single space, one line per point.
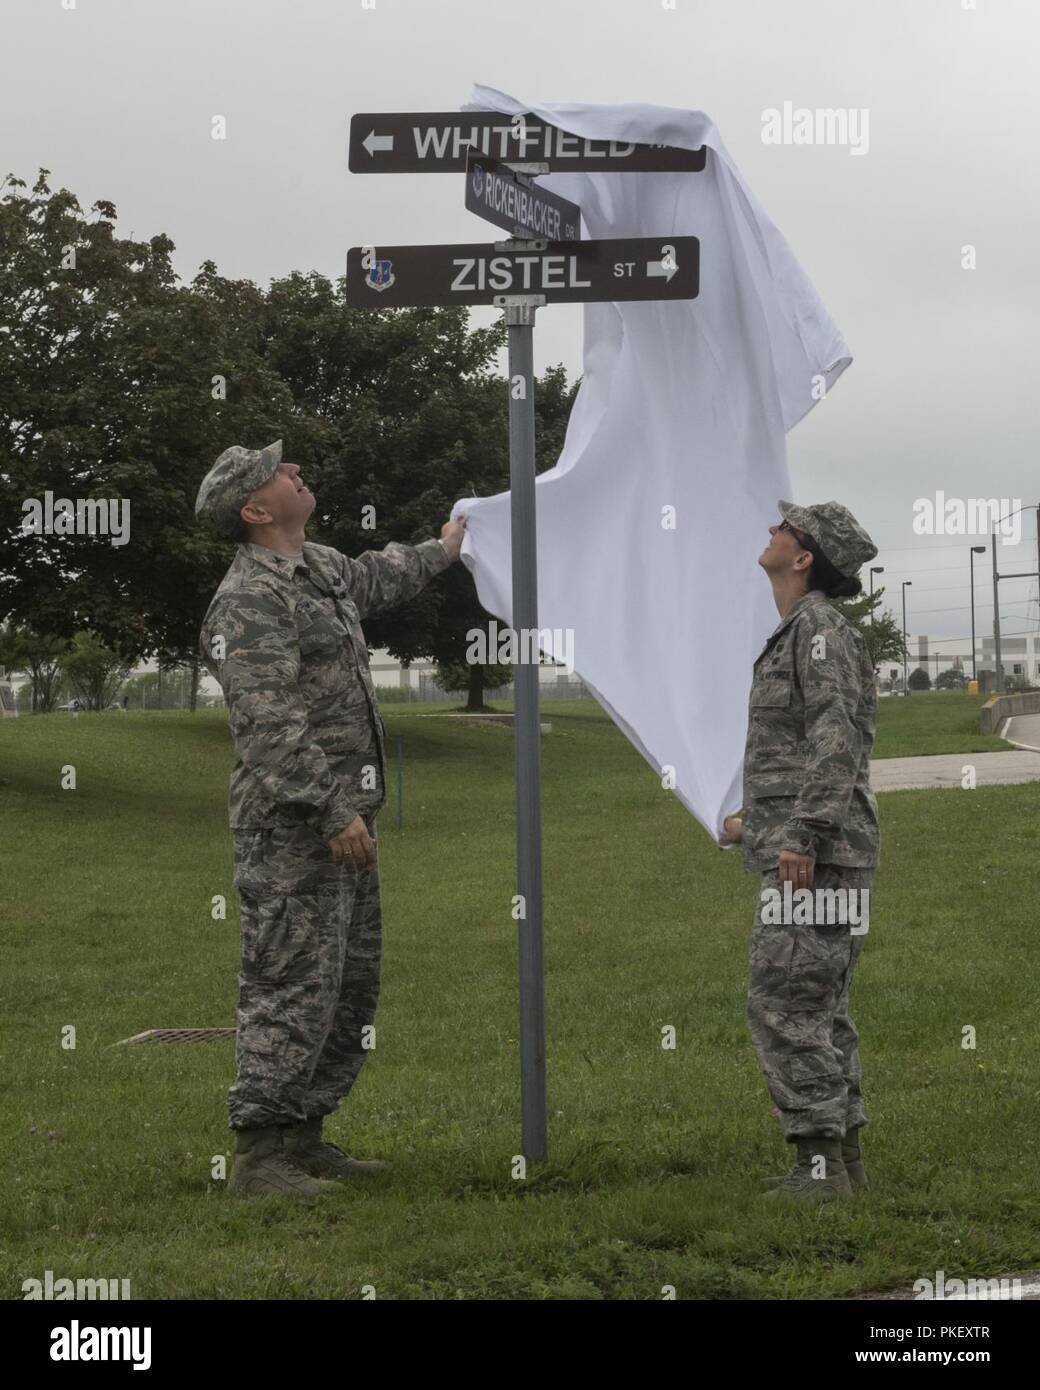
380 275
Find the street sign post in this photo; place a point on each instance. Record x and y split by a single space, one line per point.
437 142
563 272
518 276
527 749
517 203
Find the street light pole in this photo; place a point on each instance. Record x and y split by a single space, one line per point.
998 663
975 550
874 569
907 583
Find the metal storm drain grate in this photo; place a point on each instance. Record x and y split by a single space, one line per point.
179 1035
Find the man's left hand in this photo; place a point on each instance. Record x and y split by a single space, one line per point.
452 533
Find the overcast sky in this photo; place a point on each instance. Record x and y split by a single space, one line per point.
116 98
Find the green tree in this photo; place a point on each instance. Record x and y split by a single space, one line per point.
919 679
882 634
24 650
119 383
475 678
66 286
95 673
951 679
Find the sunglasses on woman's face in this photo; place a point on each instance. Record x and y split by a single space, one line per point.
785 525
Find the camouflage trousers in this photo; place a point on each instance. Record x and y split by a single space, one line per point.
798 1012
309 981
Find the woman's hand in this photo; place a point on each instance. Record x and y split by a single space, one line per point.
797 869
732 831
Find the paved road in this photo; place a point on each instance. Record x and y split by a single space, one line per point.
947 769
1025 730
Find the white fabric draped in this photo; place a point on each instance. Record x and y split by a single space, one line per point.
683 405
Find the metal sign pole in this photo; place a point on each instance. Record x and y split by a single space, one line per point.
519 318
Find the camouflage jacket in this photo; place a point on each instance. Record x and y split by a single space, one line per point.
283 637
811 719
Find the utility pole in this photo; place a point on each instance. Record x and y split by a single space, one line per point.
975 550
999 676
907 584
1018 574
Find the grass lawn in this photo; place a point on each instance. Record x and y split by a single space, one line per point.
932 721
656 1155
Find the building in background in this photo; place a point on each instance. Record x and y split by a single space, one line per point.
1020 657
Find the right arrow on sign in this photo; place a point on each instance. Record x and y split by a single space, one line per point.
666 266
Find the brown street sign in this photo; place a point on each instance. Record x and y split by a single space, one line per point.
517 203
564 272
437 143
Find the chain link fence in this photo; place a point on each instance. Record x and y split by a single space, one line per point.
425 690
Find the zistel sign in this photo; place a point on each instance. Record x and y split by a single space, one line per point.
564 272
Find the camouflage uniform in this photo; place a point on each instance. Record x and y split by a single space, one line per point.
283 637
811 717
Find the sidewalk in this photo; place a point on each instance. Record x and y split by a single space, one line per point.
947 769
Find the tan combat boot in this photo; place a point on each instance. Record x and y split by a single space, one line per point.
262 1168
321 1159
851 1156
801 1186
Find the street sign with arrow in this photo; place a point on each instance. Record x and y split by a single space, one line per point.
517 203
437 143
563 272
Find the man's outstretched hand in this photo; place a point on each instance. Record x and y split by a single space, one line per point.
353 847
452 533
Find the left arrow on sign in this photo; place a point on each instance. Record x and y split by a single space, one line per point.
373 142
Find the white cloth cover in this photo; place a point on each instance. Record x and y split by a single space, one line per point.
682 405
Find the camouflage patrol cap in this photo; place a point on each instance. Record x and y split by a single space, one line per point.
228 485
836 532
